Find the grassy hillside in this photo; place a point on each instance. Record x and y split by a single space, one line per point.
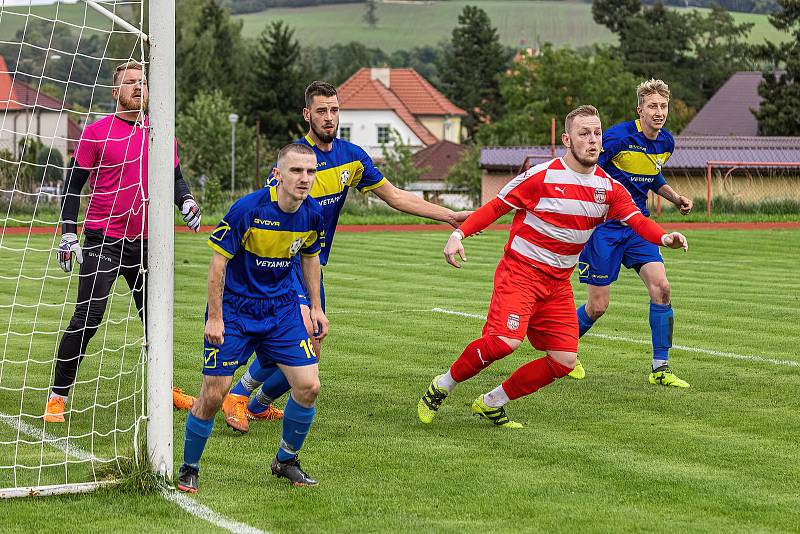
405 25
402 25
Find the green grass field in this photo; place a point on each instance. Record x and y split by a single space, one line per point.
404 25
611 453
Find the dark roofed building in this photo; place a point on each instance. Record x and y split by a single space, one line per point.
439 158
687 168
730 110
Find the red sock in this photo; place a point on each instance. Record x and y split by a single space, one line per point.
532 376
479 354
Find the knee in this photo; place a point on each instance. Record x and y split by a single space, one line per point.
597 306
307 392
208 404
513 344
659 291
567 359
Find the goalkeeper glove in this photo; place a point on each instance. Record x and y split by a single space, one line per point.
68 246
191 214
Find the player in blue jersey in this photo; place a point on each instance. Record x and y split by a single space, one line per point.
252 307
341 165
633 154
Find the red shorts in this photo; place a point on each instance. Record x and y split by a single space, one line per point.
527 301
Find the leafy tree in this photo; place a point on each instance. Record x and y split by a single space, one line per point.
694 52
208 46
338 62
471 68
49 166
371 13
466 173
551 85
204 135
274 93
779 113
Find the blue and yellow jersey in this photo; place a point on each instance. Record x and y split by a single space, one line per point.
344 166
260 240
636 161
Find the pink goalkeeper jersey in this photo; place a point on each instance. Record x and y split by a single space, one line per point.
557 211
115 152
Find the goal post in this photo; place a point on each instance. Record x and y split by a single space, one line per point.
161 237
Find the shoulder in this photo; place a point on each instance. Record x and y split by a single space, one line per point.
98 129
668 138
251 201
621 129
350 149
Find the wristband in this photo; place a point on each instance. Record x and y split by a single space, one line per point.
458 234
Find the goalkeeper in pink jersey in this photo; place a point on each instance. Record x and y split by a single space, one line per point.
112 157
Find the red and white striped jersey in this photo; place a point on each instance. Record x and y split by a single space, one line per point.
557 211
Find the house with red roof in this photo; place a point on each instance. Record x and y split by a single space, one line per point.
375 101
27 112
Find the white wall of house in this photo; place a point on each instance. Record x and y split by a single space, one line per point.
364 125
49 128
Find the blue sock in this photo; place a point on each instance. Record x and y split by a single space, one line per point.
584 321
251 379
195 438
661 320
274 387
296 423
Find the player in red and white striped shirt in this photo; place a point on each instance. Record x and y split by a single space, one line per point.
558 204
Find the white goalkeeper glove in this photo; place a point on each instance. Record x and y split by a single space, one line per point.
191 214
69 246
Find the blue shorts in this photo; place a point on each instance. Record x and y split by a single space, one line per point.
272 328
299 285
610 246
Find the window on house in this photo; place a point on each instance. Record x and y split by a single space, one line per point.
344 132
383 134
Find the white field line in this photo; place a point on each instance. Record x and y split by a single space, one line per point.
697 350
196 509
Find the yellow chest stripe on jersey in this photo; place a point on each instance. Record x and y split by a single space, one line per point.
266 243
634 162
334 179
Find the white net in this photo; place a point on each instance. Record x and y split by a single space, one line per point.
56 78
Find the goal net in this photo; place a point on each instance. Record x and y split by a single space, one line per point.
57 64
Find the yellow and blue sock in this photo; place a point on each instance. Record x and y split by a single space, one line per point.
195 438
661 323
584 321
297 421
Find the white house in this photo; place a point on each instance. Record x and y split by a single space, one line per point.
25 112
376 100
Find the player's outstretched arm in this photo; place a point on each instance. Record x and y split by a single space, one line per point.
215 327
684 204
185 202
479 220
312 272
408 202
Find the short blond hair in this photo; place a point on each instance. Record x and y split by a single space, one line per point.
580 111
120 70
293 148
651 87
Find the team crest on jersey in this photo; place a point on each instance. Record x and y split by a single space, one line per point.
295 246
345 176
599 195
513 322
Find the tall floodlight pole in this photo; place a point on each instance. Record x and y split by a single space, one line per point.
233 118
161 237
